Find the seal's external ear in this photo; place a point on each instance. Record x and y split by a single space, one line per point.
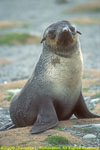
43 39
79 32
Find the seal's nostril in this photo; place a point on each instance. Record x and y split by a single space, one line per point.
65 29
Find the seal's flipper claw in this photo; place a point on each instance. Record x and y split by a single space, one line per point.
47 117
81 110
8 126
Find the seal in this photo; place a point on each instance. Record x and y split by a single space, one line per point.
53 92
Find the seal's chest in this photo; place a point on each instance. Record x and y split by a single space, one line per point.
64 72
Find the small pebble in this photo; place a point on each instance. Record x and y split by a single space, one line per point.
5 82
96 125
95 100
14 91
89 136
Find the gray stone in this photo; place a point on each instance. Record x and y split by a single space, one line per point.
82 125
89 136
96 125
13 91
96 100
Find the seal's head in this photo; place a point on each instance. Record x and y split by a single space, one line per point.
60 37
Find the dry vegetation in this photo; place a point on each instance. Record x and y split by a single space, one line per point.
85 21
93 6
8 24
18 39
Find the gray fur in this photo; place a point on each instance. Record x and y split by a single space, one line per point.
57 80
54 89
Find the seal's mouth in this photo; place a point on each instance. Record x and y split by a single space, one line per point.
65 37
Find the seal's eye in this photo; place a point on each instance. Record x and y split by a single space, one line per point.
72 29
52 34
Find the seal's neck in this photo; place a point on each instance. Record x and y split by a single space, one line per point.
63 51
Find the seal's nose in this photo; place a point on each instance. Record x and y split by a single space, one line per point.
65 29
68 29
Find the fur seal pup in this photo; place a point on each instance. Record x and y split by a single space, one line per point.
53 92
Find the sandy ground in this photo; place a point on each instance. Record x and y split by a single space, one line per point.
23 137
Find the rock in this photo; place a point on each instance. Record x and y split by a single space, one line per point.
89 136
96 125
13 91
96 100
82 126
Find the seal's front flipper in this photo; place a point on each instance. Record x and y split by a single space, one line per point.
47 117
81 110
8 126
